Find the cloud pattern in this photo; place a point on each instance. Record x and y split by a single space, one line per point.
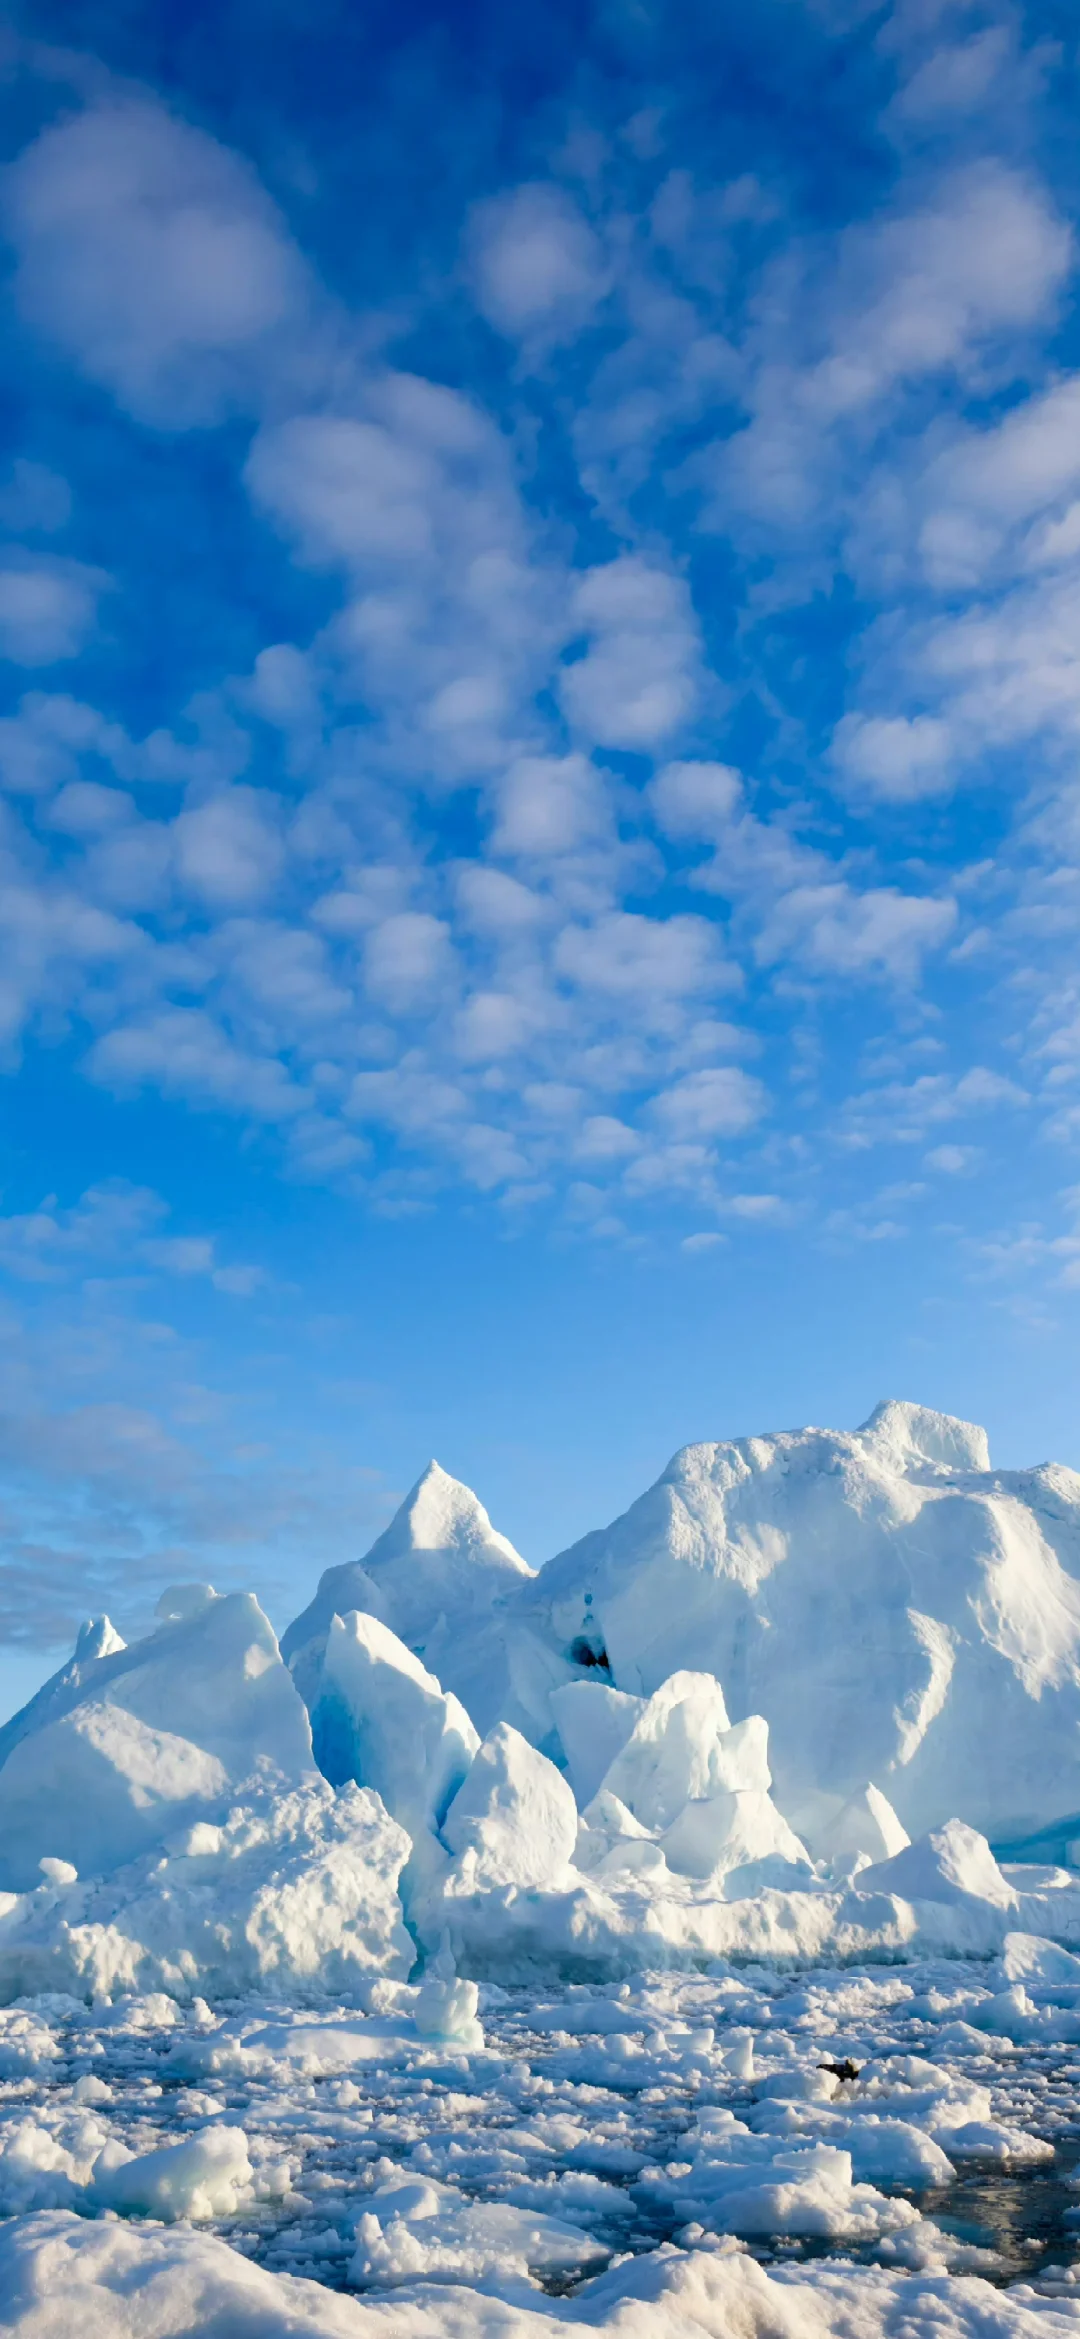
620 750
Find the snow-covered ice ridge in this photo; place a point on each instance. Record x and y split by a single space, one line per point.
261 1890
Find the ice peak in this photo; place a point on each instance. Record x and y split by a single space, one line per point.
940 1438
179 1602
98 1637
442 1514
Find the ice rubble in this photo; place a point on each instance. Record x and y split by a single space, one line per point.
452 2180
181 2284
163 1825
422 2231
174 2284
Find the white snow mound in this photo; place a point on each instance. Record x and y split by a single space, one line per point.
952 1863
121 1749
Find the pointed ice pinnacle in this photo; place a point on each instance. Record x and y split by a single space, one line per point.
436 1575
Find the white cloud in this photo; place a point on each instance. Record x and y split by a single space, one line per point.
695 800
763 1209
114 1223
491 902
450 624
114 1217
986 255
682 1167
191 1256
228 851
637 682
418 472
837 931
346 489
282 687
549 804
1009 670
155 259
952 1160
604 1138
184 1053
720 1101
954 79
537 265
54 941
281 976
124 1472
34 500
48 608
129 865
85 809
939 287
903 1111
407 959
988 485
410 1099
312 956
651 960
489 1156
41 745
491 1024
895 759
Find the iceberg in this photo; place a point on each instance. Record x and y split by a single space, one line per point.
951 1863
730 1727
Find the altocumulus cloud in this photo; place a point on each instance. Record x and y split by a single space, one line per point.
491 861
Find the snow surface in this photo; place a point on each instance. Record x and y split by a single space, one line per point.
562 1946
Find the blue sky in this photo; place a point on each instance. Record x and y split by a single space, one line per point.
540 613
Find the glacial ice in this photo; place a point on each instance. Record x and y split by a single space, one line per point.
292 1893
513 1820
438 1576
163 1820
897 1610
951 1863
593 1723
380 1718
125 1747
691 1792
